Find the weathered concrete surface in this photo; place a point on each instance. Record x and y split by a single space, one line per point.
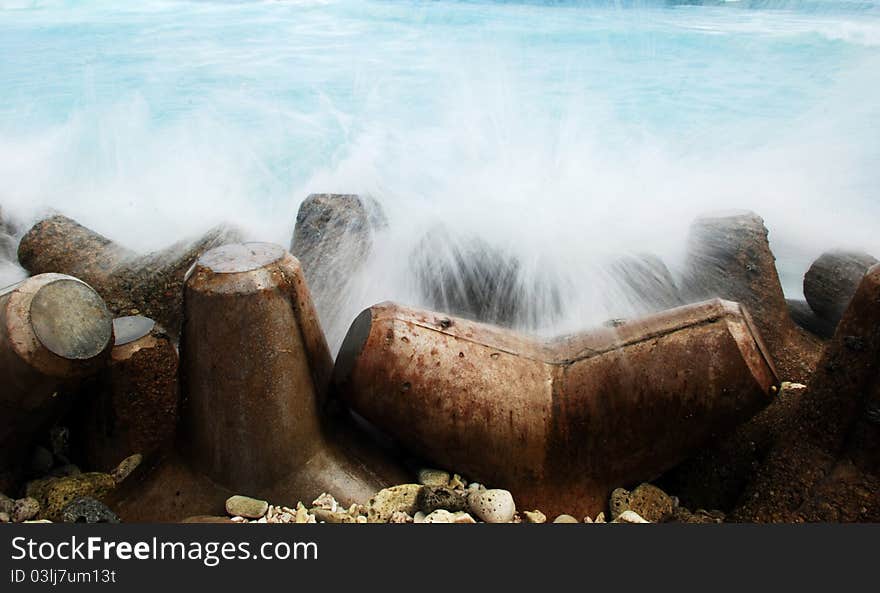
132 405
255 368
563 422
53 329
824 467
832 280
130 283
729 257
332 239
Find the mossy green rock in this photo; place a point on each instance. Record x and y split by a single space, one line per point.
54 494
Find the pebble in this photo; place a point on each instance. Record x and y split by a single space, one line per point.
419 517
212 519
4 517
457 482
630 517
25 509
326 502
303 515
401 517
463 518
492 506
126 466
54 494
327 516
646 501
245 506
439 516
88 510
433 477
6 504
565 519
432 498
534 517
396 498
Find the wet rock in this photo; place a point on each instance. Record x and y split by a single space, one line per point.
432 498
54 494
25 509
403 498
492 506
245 506
88 510
646 500
126 466
565 519
534 517
433 477
630 517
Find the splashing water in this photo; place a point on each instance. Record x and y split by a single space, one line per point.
564 133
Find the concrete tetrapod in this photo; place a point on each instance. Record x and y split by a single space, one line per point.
255 368
729 257
559 423
131 283
826 465
132 406
53 328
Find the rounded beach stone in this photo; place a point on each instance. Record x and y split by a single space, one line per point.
492 506
245 506
565 519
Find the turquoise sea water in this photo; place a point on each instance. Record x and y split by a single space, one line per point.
566 131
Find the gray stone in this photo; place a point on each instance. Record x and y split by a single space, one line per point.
245 506
432 498
492 506
88 510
